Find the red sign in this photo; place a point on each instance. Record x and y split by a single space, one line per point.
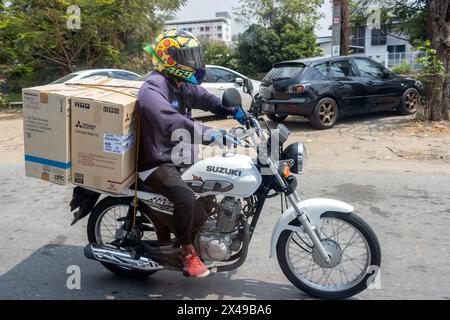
336 20
335 2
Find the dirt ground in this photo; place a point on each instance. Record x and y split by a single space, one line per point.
380 142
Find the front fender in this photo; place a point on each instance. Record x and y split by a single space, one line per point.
314 208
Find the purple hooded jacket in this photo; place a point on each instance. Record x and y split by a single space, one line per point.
162 110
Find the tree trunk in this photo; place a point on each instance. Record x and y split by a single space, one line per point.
438 88
345 28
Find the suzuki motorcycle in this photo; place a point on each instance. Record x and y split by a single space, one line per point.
321 245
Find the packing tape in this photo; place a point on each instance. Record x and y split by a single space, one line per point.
44 97
105 88
45 176
97 113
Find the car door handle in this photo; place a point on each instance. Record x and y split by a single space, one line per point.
370 83
339 84
221 89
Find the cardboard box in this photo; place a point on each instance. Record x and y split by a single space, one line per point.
104 138
46 119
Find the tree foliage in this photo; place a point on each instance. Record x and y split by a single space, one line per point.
34 35
407 18
269 13
218 53
278 31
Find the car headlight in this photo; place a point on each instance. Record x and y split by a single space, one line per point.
297 153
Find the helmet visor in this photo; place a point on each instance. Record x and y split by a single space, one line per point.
190 57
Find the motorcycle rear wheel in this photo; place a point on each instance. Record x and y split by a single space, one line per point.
290 241
94 236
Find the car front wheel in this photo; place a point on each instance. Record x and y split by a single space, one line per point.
410 101
325 114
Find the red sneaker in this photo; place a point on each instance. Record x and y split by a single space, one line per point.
194 266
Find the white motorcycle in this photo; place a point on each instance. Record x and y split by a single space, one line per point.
322 246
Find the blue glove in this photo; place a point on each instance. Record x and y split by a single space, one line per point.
240 116
223 138
217 135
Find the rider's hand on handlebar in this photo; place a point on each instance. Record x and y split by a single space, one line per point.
222 138
240 116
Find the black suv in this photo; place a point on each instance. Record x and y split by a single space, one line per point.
325 89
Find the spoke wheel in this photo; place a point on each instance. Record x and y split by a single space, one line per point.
105 225
354 251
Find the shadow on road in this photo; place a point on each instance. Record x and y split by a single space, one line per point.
43 275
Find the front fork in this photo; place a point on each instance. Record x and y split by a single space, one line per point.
312 231
294 199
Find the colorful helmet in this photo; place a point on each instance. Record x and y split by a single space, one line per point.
178 53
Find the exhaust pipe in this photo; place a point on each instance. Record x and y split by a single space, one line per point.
120 258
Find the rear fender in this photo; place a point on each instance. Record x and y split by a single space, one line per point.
82 203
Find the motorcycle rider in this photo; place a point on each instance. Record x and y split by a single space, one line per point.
165 99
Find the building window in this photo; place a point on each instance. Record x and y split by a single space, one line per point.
207 28
219 28
189 29
202 29
396 54
358 40
379 37
219 35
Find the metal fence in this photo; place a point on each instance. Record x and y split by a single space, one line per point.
410 58
390 60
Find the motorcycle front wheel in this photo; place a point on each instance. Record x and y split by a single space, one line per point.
355 257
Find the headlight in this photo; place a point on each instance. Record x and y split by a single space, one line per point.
297 153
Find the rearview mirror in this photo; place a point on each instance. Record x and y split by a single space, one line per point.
386 74
231 98
240 81
248 86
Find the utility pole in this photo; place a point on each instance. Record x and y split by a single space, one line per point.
336 29
345 28
341 28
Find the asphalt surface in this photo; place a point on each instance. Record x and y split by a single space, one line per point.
409 212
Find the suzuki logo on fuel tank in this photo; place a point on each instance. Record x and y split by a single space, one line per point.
231 172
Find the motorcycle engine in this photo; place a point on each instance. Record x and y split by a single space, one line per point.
219 236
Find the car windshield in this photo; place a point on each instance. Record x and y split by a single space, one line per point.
283 72
65 78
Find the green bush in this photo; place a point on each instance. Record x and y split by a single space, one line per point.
403 68
3 101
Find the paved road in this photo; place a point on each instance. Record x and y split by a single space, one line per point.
409 212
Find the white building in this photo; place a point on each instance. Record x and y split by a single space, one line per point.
388 48
218 28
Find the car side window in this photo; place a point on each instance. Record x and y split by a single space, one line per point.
342 69
99 74
209 77
319 71
124 75
223 76
368 68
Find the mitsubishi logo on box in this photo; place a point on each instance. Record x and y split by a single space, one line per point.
78 125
